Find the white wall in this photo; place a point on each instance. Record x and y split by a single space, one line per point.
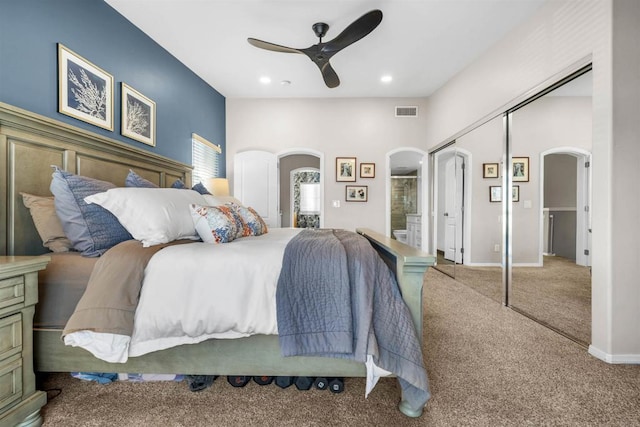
363 128
625 176
562 34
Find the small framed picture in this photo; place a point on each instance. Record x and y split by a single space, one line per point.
367 170
85 91
346 169
490 170
357 193
515 193
495 193
138 119
520 169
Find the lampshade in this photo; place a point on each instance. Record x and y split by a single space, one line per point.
218 186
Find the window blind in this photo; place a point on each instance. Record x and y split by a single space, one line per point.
309 198
205 157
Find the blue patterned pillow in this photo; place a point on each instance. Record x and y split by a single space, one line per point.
214 224
252 223
200 188
135 180
91 229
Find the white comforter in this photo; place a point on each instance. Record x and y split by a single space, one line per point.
199 291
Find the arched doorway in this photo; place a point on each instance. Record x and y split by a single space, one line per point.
409 165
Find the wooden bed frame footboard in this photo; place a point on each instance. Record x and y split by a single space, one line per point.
30 143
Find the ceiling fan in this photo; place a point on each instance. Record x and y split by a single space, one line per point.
321 53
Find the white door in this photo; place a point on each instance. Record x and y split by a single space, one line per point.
255 183
452 213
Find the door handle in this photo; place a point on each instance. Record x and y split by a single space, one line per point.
446 214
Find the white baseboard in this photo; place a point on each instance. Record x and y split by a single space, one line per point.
483 264
629 359
497 264
527 264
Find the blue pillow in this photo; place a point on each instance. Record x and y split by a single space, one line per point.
135 180
91 229
178 184
200 188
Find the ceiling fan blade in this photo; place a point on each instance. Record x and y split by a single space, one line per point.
329 75
354 32
271 46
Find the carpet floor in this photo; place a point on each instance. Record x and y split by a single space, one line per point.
558 294
488 366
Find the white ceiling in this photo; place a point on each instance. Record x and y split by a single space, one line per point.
421 43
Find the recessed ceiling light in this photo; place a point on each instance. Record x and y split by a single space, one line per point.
265 80
386 79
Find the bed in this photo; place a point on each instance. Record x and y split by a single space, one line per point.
31 143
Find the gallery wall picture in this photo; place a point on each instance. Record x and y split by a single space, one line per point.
495 193
346 169
515 193
357 193
367 170
85 91
520 169
138 119
490 170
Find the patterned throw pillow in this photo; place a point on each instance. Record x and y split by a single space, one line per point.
214 224
253 225
264 224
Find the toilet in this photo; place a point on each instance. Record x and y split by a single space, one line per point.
400 235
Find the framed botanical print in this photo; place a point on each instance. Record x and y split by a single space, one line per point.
85 91
138 119
345 169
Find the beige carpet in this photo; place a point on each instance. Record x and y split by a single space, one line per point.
557 294
488 366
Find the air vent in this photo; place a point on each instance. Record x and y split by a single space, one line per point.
406 111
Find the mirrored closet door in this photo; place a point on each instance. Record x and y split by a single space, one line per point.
550 143
448 198
482 150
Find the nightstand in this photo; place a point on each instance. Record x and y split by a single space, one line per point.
20 402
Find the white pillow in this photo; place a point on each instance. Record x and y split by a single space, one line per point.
220 200
151 215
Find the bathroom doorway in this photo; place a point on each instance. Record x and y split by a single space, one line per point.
406 198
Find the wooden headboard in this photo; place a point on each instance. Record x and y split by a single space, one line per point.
30 144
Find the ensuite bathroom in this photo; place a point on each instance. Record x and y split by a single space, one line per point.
404 208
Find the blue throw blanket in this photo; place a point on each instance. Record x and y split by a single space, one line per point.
337 298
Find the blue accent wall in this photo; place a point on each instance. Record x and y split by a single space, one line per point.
29 33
